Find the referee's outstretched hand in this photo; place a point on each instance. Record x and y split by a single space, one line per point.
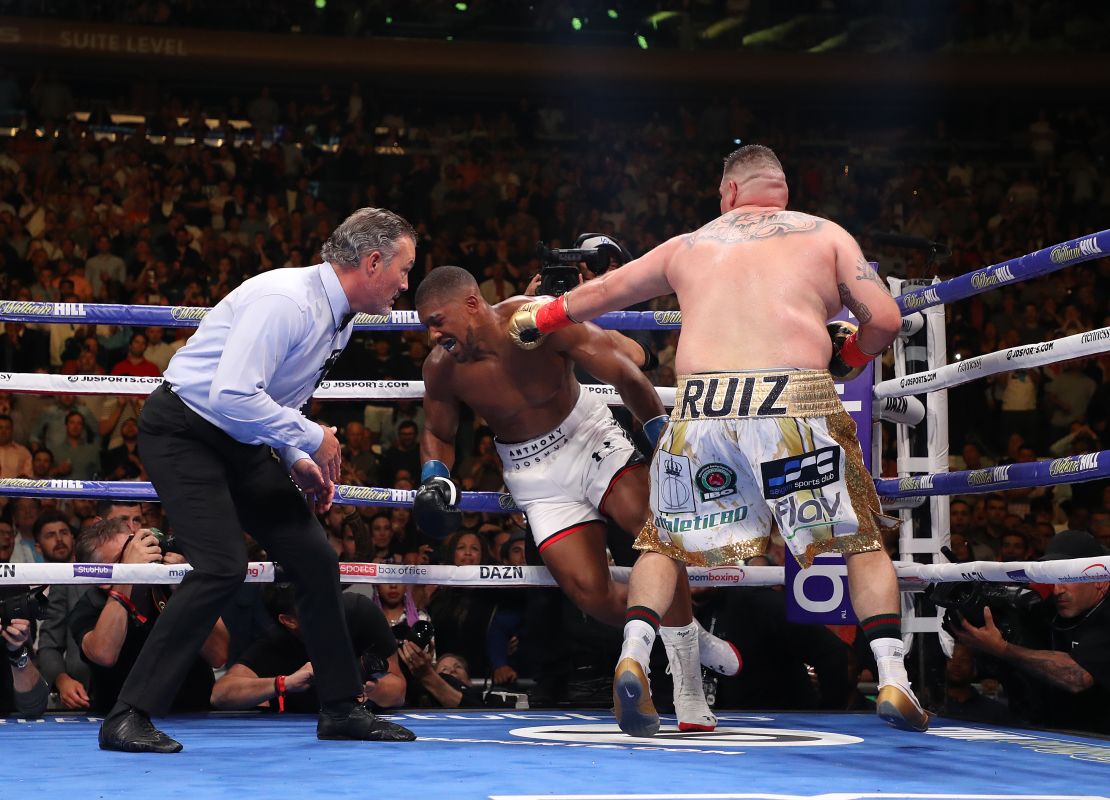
328 455
318 490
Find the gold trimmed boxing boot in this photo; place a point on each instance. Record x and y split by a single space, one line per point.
636 714
897 706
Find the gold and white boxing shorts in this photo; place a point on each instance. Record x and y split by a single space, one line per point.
746 451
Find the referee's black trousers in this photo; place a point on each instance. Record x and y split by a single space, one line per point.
212 488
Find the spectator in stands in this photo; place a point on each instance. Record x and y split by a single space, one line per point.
275 670
15 459
122 463
104 267
135 363
50 428
404 454
7 540
54 537
358 454
78 456
25 510
158 352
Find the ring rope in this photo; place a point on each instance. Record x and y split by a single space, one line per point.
39 383
360 572
911 576
1068 469
1032 265
191 316
1020 357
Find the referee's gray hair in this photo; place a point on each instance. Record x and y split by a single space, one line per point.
366 230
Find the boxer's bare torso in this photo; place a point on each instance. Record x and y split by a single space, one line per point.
756 288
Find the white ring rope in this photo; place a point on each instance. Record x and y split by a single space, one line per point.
1020 357
910 575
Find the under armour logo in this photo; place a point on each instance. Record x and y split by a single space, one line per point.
606 448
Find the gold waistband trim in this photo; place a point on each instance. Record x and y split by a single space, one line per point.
770 393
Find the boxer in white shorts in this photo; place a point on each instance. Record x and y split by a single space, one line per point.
562 479
566 461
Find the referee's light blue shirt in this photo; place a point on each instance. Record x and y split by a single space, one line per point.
257 356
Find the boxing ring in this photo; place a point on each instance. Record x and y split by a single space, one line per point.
532 753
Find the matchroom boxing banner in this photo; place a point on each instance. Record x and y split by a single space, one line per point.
819 595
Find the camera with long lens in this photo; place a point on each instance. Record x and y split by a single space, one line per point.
16 602
1013 607
421 633
559 266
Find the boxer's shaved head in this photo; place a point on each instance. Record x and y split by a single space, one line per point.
753 176
752 158
444 283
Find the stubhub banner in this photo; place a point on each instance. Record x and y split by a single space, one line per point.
819 595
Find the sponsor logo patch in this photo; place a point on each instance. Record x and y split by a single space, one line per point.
810 470
715 481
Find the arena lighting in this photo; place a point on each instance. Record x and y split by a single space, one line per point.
461 6
640 40
612 12
321 3
576 23
656 19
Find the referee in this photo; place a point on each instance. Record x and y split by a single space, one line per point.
221 439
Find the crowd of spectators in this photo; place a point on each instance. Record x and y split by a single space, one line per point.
136 218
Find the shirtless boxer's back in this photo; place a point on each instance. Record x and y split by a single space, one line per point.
758 433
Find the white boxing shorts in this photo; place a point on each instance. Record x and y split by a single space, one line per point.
746 451
561 479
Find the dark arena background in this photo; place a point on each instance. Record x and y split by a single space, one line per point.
157 154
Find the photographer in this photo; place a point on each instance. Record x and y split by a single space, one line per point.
446 683
22 689
112 622
276 669
1075 672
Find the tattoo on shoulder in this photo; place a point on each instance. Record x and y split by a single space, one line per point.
862 312
865 273
755 225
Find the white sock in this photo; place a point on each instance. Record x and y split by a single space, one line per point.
638 639
681 645
890 657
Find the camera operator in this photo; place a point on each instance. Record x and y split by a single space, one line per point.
446 682
112 622
599 254
1075 672
22 688
276 669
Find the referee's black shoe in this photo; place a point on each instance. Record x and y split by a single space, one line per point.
359 723
131 731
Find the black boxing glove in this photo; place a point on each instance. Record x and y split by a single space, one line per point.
435 506
848 360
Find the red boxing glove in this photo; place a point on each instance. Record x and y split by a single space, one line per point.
852 355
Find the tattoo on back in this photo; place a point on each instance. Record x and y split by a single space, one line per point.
754 225
862 312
